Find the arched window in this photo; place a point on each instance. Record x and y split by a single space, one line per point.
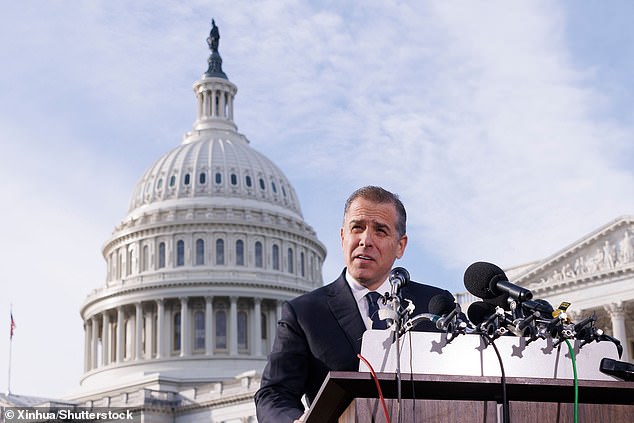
218 178
259 262
176 332
234 179
186 179
161 255
248 181
276 257
239 253
172 180
202 178
221 330
243 334
200 252
199 330
262 184
290 260
220 251
180 253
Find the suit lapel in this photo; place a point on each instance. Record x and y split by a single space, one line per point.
344 307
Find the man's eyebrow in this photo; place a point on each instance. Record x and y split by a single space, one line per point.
355 221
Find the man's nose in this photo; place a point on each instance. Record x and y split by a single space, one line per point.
365 239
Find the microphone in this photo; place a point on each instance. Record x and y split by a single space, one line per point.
480 311
443 306
488 319
486 280
620 369
399 277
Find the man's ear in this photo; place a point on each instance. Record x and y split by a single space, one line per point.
402 243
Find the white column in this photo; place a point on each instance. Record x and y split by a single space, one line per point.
138 331
120 332
221 113
95 343
203 104
209 332
617 314
214 109
149 334
160 328
233 325
87 343
105 338
257 327
185 338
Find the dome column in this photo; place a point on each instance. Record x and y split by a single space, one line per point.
160 328
105 338
120 332
257 326
138 332
87 344
149 335
209 310
94 343
185 338
233 324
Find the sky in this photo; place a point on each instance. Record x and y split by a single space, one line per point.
506 128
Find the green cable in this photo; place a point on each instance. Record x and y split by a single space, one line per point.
574 371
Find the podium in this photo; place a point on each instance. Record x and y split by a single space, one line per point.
459 382
351 397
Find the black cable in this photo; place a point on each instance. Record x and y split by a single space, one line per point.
411 375
506 417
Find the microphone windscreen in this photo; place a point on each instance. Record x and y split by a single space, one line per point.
500 301
478 278
441 305
479 311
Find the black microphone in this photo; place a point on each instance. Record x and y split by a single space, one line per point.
480 311
399 277
620 369
443 306
489 320
486 280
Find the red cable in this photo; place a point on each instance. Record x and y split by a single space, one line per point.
378 387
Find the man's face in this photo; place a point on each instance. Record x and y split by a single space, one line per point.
370 241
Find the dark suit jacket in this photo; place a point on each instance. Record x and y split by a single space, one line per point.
318 332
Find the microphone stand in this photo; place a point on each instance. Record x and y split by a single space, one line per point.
398 328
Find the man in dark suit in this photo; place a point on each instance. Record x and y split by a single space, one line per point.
321 331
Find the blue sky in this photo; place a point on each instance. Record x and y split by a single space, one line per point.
506 128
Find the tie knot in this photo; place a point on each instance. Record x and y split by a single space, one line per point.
373 310
374 296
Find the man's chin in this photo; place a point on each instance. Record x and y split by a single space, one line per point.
364 276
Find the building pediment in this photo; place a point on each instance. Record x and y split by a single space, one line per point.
603 254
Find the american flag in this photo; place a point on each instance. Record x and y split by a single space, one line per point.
12 326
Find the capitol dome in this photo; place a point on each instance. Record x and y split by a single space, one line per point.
214 241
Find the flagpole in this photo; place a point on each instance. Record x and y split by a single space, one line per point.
10 353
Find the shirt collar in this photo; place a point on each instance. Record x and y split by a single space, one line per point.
359 291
